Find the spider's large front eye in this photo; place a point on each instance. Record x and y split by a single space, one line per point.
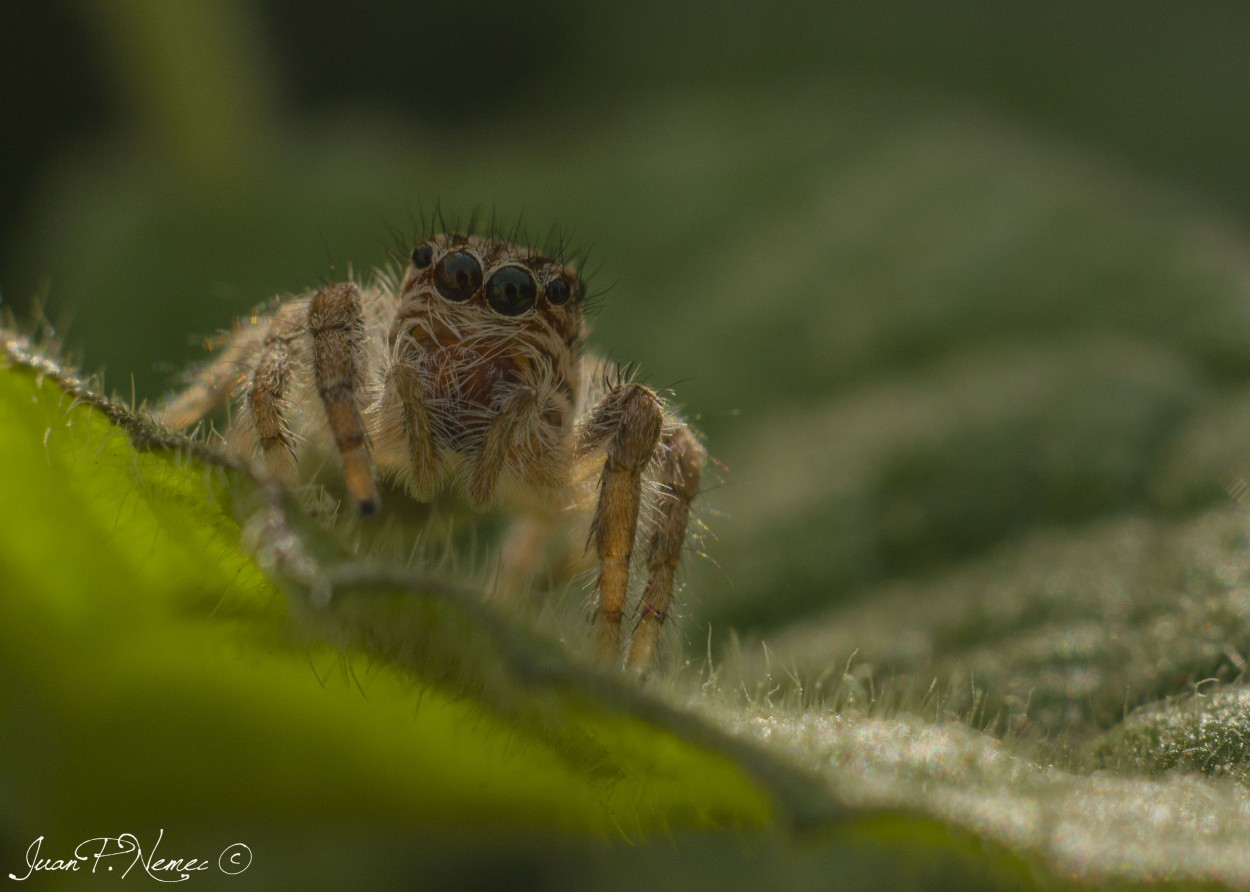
511 290
457 276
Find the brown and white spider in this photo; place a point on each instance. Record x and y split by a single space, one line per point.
468 375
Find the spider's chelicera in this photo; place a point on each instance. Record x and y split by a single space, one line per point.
468 374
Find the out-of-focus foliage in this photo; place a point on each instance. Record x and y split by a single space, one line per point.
154 646
164 685
159 679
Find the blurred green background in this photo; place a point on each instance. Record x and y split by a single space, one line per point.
170 164
959 293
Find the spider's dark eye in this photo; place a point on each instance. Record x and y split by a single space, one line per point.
422 256
457 276
558 291
511 291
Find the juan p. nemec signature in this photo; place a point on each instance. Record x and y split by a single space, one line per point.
122 853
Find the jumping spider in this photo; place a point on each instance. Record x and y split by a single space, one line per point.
468 374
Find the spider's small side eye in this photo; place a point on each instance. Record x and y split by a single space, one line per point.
558 292
457 276
422 256
511 290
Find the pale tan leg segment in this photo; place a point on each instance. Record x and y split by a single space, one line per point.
266 402
336 323
681 468
499 439
528 540
631 415
212 387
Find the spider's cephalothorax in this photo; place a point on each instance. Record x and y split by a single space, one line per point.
486 340
468 375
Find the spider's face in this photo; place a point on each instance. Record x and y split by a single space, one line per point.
480 285
481 320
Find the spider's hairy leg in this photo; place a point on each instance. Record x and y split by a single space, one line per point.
337 326
517 409
403 384
630 419
211 387
266 403
681 466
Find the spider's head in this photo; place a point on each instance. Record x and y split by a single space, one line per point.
481 319
480 283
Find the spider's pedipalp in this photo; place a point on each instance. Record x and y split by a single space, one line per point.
500 438
404 396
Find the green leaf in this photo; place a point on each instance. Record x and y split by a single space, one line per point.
160 673
163 682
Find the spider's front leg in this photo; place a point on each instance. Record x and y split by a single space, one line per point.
629 420
681 467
